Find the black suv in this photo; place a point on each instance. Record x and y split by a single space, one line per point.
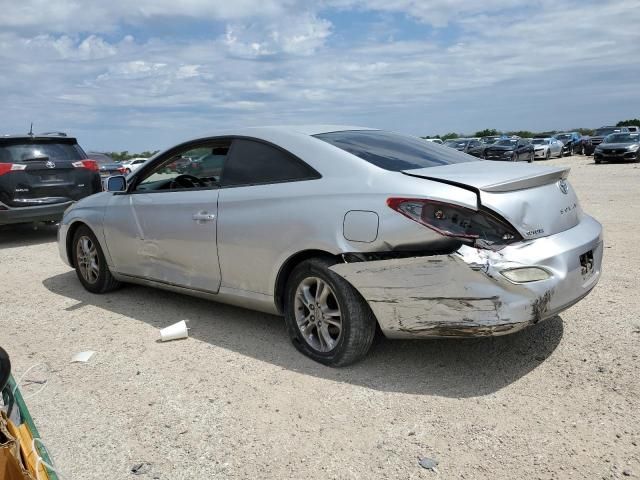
598 136
41 175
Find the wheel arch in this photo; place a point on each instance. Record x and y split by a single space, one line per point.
71 232
286 269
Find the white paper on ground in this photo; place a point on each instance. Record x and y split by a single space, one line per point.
82 357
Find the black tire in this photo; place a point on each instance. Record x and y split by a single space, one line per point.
597 161
561 153
548 155
358 322
570 151
532 158
104 281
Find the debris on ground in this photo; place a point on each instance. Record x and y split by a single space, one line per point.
82 357
428 463
141 468
174 332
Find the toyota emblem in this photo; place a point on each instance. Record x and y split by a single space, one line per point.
50 164
564 187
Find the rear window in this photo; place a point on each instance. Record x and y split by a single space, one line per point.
392 151
23 152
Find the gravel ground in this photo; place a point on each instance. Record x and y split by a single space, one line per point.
235 400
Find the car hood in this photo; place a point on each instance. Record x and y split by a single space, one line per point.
540 146
611 146
535 199
501 148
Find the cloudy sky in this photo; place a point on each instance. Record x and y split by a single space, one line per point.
144 74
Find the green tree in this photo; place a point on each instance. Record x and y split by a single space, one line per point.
522 133
487 132
449 136
628 123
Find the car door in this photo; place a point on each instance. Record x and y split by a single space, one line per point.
164 227
257 224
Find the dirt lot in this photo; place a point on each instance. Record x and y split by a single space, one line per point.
235 400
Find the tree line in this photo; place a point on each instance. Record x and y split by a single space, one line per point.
125 155
487 132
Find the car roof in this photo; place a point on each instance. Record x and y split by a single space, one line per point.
314 129
37 137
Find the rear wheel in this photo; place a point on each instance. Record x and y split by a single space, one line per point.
326 317
91 266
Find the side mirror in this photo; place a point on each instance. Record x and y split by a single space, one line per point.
116 183
5 368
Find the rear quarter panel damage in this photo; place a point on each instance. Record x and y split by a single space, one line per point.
444 295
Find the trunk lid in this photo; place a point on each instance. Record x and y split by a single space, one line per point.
536 200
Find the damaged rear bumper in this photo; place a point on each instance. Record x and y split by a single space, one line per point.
465 294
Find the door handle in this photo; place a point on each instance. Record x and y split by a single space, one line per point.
203 217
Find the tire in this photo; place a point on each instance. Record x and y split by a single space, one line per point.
358 324
570 151
561 153
597 161
532 158
548 155
97 278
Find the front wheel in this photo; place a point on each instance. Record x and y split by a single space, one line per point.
327 319
531 158
91 266
548 155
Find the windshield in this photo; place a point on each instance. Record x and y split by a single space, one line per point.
603 132
456 143
540 141
563 137
622 138
20 152
507 141
489 140
392 151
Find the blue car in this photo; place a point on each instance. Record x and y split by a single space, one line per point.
572 143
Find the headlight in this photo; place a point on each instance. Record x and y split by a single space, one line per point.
526 274
634 148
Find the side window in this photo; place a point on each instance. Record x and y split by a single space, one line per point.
191 168
251 162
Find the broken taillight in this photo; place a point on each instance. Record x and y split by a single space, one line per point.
88 164
468 225
11 167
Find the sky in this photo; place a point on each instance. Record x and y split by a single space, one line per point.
146 74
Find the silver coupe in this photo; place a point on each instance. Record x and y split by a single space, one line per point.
342 230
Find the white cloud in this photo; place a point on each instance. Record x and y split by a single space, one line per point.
276 62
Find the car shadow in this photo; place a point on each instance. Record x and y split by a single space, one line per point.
450 368
25 234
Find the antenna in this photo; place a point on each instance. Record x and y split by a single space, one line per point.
31 130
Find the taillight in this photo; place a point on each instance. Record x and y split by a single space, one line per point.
11 167
470 226
88 164
122 170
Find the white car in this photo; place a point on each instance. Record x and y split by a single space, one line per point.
547 147
434 140
133 164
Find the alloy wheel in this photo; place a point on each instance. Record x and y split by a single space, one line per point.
317 314
87 259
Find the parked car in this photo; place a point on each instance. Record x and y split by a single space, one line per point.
511 150
434 244
596 139
41 175
619 146
467 145
107 165
434 140
133 164
633 128
572 143
547 147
